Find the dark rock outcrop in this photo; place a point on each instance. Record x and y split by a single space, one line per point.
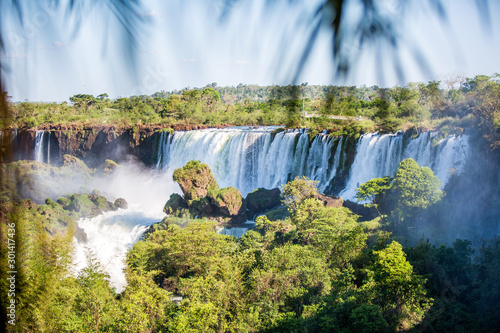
228 201
365 213
108 167
87 205
262 200
175 203
121 203
80 235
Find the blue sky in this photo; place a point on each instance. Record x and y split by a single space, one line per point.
185 44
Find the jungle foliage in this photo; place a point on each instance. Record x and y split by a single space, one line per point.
316 270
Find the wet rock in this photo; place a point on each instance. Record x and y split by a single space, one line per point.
203 198
88 205
174 204
328 200
108 167
121 203
202 206
75 164
81 235
365 213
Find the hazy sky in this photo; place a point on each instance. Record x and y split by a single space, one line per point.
186 44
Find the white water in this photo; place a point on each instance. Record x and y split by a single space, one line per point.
248 158
42 147
380 155
39 144
109 236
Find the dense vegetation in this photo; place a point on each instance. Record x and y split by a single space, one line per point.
314 269
451 105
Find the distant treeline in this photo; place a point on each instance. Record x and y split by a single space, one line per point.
457 103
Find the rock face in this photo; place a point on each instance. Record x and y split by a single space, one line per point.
64 212
195 180
81 235
108 167
262 200
75 164
202 196
38 181
93 144
365 213
176 204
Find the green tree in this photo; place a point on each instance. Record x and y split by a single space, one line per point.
143 306
333 231
486 107
177 252
401 294
289 278
296 191
373 191
222 292
94 302
414 188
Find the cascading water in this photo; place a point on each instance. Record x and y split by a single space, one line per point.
39 135
42 147
109 236
251 158
379 156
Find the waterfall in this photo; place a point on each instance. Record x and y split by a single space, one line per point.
379 156
42 147
111 234
163 149
251 158
39 136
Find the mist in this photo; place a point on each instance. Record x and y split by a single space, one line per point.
110 234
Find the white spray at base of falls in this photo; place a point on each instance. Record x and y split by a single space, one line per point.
111 234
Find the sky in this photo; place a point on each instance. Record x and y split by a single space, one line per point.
190 43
